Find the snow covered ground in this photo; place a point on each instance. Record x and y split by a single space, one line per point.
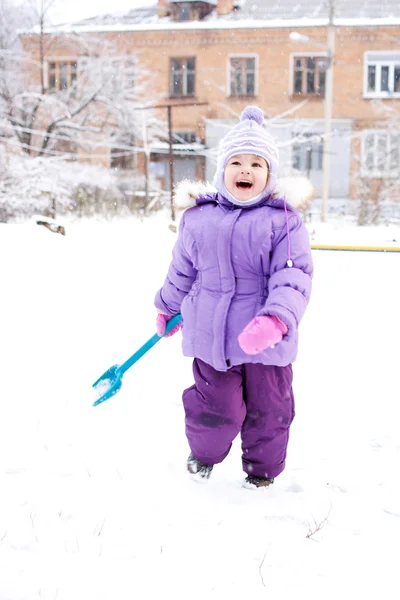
95 503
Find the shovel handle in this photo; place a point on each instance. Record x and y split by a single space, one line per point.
149 344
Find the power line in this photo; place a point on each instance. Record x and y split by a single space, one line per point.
65 153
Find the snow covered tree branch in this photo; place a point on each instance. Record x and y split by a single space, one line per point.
66 86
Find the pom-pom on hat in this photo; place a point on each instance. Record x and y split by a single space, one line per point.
248 137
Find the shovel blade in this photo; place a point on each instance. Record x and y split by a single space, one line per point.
108 384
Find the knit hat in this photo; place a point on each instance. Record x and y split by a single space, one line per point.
248 137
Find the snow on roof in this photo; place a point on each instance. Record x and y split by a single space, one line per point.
249 14
317 9
214 2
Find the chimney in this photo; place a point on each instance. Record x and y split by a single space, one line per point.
224 7
163 8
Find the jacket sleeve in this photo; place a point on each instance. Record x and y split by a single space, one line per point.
181 273
289 287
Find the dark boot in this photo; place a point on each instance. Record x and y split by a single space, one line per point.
200 470
252 481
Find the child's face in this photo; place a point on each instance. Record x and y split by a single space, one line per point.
246 176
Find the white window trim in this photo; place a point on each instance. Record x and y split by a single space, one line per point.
316 143
294 55
375 173
119 62
228 72
184 87
56 59
379 64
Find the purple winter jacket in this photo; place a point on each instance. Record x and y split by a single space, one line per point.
230 264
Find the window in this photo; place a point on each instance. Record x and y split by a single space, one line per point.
191 10
243 76
382 75
122 159
118 76
307 153
182 77
381 154
61 74
309 75
185 137
184 12
129 74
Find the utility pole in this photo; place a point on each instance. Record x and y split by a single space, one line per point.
326 159
146 160
169 108
171 162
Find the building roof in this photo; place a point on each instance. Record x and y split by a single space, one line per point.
254 13
315 9
214 2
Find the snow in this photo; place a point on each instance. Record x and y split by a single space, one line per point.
95 503
220 23
332 234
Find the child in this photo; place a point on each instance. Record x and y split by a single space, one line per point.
241 277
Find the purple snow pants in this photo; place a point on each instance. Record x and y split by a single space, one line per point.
252 399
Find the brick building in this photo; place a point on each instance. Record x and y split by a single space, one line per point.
217 56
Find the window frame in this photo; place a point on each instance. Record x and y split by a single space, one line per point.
244 56
292 69
59 60
182 6
118 74
185 133
123 68
123 71
376 172
184 93
130 73
378 64
299 150
122 160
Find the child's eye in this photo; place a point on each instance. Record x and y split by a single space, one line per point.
256 165
236 162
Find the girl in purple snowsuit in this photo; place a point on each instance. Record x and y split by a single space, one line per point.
241 277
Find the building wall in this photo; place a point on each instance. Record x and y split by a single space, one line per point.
273 49
283 132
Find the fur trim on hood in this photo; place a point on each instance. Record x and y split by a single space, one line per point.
298 192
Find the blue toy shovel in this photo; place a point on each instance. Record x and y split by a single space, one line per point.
110 382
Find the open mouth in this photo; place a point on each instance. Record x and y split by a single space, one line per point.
244 185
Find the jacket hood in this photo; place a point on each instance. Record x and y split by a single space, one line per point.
296 191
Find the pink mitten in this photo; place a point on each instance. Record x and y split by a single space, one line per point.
161 323
261 333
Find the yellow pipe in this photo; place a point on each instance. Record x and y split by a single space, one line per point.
356 248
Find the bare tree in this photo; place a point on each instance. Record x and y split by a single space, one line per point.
66 106
40 10
11 83
18 108
52 107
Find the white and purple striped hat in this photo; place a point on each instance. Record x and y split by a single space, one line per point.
248 137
